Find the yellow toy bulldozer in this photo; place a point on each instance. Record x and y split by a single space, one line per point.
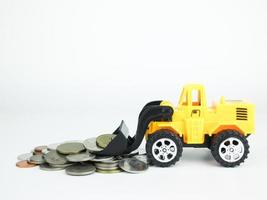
223 128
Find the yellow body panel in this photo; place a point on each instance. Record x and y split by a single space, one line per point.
193 119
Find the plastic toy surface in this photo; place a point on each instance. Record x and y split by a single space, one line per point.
223 128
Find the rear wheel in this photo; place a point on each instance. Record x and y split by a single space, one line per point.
163 148
229 148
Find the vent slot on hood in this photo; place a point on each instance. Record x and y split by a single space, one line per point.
241 114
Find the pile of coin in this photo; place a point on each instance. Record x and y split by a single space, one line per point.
108 166
77 158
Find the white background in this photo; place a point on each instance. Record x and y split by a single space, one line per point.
73 69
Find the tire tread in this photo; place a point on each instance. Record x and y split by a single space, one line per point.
220 137
163 134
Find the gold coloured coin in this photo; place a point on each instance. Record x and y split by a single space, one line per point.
104 140
108 171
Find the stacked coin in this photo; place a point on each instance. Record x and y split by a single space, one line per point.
81 169
32 159
108 166
78 158
55 156
39 150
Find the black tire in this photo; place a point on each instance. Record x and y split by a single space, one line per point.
221 138
155 139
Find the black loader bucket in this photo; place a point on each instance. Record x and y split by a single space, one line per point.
125 144
119 144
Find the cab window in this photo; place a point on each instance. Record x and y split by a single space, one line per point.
185 102
196 98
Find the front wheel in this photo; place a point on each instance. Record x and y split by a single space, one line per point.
163 148
229 148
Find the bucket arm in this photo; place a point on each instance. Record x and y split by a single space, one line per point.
123 143
151 112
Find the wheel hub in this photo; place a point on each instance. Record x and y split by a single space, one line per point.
231 149
164 150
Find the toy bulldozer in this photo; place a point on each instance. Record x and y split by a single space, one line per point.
223 129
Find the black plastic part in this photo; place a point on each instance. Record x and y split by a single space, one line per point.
152 103
148 114
124 144
119 144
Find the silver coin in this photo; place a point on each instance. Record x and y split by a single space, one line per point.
140 151
90 145
45 151
102 158
133 165
110 161
61 166
70 148
105 166
142 158
47 167
53 146
108 171
25 156
121 157
36 159
80 169
53 157
81 157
